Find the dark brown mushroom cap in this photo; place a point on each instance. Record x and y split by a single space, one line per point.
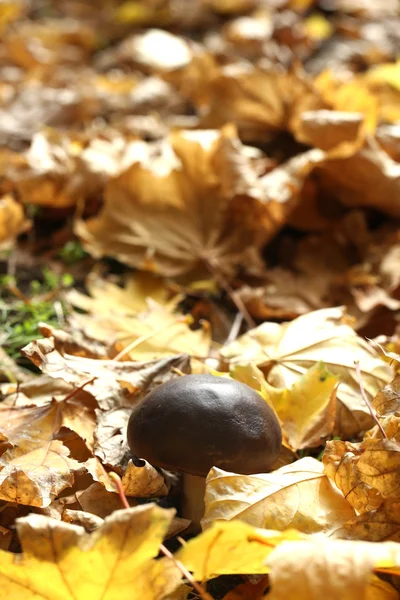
195 422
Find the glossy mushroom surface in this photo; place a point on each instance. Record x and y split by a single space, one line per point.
195 422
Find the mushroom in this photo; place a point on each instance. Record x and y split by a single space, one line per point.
195 422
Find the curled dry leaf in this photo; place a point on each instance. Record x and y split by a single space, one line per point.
110 437
257 100
193 201
99 474
368 178
143 481
112 383
387 400
96 500
37 476
284 352
115 561
34 414
380 525
54 174
340 463
83 519
297 496
315 568
338 133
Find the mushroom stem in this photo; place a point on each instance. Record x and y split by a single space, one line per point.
193 507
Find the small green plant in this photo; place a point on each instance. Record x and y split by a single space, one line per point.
72 252
20 316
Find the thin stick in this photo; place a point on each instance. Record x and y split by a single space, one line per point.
78 389
367 402
238 302
234 332
148 336
199 588
178 371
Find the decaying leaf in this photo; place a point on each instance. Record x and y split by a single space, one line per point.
380 525
297 496
283 352
115 561
112 383
34 414
340 462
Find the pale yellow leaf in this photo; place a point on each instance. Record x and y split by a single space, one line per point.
297 496
334 569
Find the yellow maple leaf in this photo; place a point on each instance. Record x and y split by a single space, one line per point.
231 548
284 352
33 414
63 562
307 410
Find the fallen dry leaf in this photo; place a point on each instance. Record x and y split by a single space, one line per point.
380 525
112 383
284 352
116 561
231 208
307 410
37 476
297 496
133 318
374 179
260 101
143 481
96 500
340 461
222 161
31 418
231 548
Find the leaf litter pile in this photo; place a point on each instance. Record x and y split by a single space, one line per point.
199 187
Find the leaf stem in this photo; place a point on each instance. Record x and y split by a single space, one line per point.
197 586
148 336
367 402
